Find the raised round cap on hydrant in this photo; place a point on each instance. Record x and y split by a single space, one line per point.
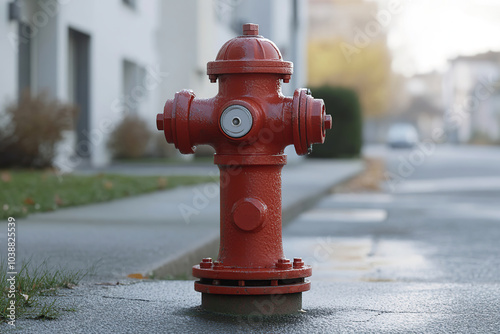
249 124
250 53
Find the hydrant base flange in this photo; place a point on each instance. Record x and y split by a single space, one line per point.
221 273
252 290
253 305
252 287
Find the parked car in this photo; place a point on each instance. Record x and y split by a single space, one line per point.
402 135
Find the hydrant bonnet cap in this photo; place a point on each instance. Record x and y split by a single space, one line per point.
249 53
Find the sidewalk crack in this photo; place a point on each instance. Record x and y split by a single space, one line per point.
134 299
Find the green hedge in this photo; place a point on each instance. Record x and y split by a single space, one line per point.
344 140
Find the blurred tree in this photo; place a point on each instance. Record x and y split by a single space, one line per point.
345 138
130 138
31 128
367 70
348 48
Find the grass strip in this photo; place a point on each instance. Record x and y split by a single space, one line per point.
32 284
24 192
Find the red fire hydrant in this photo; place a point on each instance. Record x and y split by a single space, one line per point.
249 123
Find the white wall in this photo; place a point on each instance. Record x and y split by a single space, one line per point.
117 32
470 101
190 37
172 39
8 54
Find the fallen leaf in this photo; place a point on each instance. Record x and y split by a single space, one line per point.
136 276
162 182
29 201
108 185
6 177
58 200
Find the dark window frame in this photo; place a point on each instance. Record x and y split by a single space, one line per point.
25 54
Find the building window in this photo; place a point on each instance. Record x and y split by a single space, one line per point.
130 3
24 58
134 90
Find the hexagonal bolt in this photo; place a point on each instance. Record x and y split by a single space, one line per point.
212 78
250 29
298 263
206 263
284 264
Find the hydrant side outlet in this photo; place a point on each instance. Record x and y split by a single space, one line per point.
249 123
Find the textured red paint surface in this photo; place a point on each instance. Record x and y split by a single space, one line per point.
249 70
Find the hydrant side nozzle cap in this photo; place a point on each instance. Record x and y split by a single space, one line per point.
250 29
159 122
328 122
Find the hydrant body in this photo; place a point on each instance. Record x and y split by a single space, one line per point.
249 123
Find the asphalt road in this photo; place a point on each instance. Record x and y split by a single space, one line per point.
437 221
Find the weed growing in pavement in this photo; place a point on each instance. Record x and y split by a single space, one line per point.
33 284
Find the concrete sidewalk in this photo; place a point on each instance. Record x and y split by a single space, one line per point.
371 274
149 234
402 262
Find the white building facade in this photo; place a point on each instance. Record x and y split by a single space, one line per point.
472 97
117 57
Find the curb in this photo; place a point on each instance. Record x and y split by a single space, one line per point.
179 267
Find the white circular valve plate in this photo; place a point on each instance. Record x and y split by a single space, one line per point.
236 121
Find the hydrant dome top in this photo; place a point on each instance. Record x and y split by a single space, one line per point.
249 53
